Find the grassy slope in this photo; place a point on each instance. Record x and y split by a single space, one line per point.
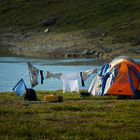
70 14
120 19
75 118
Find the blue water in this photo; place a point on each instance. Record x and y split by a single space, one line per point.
12 69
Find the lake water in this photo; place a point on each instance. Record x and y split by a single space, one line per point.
12 69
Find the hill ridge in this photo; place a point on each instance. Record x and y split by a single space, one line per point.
108 28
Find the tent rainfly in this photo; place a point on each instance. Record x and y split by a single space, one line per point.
120 77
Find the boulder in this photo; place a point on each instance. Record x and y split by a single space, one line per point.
89 52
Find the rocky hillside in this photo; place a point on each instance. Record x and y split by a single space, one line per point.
62 28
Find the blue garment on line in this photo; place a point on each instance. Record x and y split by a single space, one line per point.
20 88
104 74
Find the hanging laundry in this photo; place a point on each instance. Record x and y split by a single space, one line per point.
104 74
33 74
20 87
70 82
54 75
95 85
42 77
87 73
82 81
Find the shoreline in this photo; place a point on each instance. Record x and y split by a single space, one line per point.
65 45
73 61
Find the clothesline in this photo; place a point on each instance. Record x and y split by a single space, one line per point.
69 80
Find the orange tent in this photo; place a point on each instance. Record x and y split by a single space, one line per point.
121 77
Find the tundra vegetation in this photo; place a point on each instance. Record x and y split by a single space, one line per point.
79 118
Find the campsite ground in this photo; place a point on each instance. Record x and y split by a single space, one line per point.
76 117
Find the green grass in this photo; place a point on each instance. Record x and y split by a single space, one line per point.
79 118
70 15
